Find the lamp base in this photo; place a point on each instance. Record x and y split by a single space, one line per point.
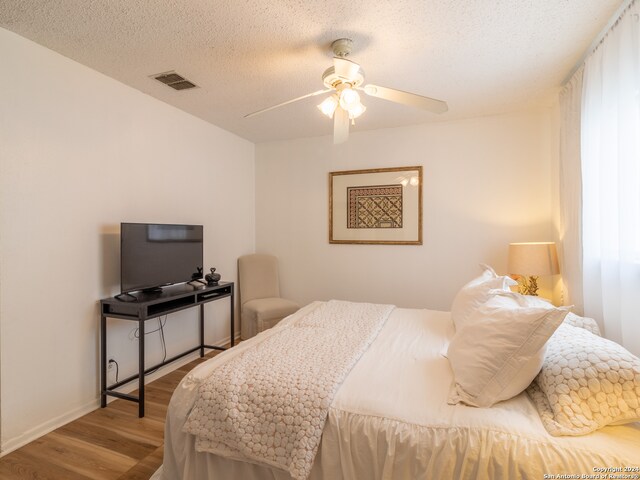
528 285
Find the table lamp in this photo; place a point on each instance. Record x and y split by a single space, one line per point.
528 261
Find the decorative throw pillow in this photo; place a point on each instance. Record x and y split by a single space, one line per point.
475 293
587 323
499 351
586 383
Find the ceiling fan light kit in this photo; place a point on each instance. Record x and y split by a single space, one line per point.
329 105
344 79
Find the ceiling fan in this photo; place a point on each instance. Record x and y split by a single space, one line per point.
344 80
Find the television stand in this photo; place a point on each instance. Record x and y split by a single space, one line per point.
153 305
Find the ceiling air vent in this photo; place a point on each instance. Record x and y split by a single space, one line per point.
173 80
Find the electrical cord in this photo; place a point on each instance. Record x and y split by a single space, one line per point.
161 323
117 368
164 344
136 334
160 329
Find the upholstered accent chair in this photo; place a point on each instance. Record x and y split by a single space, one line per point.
260 304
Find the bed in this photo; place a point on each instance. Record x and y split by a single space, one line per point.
390 419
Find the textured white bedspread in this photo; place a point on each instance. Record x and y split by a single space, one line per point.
390 420
269 404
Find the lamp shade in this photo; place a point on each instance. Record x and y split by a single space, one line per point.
533 259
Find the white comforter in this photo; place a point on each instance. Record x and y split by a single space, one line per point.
390 420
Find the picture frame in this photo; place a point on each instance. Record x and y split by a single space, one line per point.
381 206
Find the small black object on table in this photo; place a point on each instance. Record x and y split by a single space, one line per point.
212 278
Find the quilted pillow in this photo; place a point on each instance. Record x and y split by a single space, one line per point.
475 293
583 322
498 352
586 383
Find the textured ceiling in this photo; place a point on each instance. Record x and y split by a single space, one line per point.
481 56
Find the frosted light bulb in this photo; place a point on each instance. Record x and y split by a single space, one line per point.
356 110
328 106
349 98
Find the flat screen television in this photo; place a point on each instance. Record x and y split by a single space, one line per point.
153 255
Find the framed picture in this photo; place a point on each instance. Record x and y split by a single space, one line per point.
378 206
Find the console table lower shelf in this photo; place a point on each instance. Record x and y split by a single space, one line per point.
149 306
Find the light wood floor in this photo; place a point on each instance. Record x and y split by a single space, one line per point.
108 443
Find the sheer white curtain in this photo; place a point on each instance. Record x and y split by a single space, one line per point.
570 191
610 145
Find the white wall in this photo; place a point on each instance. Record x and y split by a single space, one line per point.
80 153
486 184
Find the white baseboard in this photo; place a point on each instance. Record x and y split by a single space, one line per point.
15 443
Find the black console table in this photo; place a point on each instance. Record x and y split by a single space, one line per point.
145 306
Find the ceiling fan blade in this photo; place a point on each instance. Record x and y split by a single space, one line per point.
406 98
319 92
345 69
340 126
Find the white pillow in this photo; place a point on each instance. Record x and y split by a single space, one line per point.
586 383
514 299
499 351
475 293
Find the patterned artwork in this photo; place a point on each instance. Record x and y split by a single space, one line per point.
375 206
378 206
